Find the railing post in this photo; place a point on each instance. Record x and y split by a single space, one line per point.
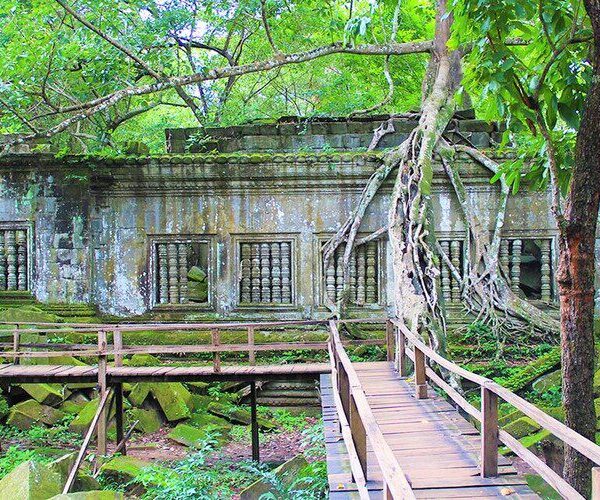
596 483
389 339
359 435
118 388
101 434
16 342
254 423
251 351
489 433
216 341
344 390
402 358
420 374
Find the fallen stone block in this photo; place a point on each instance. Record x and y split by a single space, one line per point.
91 495
193 436
239 416
149 420
285 475
49 394
174 400
139 393
123 467
27 413
30 481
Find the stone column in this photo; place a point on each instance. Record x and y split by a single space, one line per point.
265 273
545 270
504 258
371 273
183 271
245 271
163 274
3 283
455 259
445 278
21 260
275 272
515 265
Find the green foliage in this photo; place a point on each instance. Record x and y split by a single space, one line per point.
527 374
527 69
15 456
51 60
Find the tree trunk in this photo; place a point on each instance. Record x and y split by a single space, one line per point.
576 276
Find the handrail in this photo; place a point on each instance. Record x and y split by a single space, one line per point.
363 425
491 433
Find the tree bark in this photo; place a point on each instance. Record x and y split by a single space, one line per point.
576 275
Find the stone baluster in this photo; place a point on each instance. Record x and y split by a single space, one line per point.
11 260
330 279
339 271
371 273
246 278
276 273
504 256
173 272
515 265
163 274
546 290
182 249
455 259
21 260
352 272
2 262
255 272
286 273
361 272
445 271
265 273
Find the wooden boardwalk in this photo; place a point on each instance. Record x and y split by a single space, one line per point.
438 450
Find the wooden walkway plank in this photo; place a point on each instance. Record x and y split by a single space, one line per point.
438 450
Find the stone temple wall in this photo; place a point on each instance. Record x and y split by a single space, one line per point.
205 236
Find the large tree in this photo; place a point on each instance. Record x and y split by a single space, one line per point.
530 63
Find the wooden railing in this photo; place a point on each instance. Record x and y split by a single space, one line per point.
119 348
410 346
359 427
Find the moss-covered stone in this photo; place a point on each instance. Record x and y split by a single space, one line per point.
522 427
30 481
139 393
541 487
545 382
149 420
81 423
528 374
238 415
286 475
49 394
144 360
91 495
532 441
174 399
27 413
198 387
70 407
193 436
123 467
203 419
27 313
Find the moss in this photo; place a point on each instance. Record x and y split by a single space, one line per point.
30 480
509 417
522 427
526 375
50 394
541 487
194 436
24 415
139 393
91 495
123 467
148 420
174 400
239 415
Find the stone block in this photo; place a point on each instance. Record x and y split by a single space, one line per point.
149 420
123 468
27 413
82 421
552 379
139 393
174 399
30 481
240 416
91 495
286 475
49 394
193 436
522 427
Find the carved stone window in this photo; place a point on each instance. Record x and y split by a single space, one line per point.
527 265
365 265
265 272
181 274
453 250
14 259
